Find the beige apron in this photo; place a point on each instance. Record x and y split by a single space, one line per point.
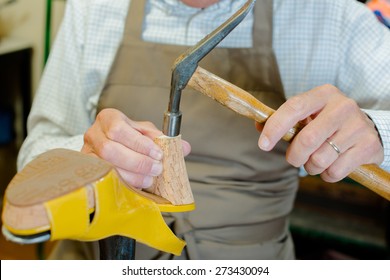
243 195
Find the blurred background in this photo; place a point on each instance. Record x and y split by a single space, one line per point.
330 221
27 29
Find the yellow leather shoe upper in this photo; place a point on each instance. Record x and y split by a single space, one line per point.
118 211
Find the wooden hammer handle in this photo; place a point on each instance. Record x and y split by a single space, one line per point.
242 102
235 98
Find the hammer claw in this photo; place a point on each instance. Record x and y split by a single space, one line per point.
185 65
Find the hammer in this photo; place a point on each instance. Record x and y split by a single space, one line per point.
187 72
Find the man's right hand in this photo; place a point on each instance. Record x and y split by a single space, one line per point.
128 145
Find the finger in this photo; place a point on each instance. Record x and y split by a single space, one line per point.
321 159
146 128
348 135
259 126
307 143
330 151
310 139
134 179
339 114
358 143
120 155
295 109
186 148
342 167
93 139
363 152
129 134
127 159
150 130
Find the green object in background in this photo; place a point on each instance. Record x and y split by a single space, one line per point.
47 31
41 246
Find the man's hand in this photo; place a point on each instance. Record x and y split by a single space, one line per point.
128 145
338 136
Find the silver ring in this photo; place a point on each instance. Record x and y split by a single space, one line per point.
333 145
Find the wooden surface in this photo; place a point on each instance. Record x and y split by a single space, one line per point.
173 183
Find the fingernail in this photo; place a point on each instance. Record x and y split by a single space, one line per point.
148 181
156 169
264 143
156 154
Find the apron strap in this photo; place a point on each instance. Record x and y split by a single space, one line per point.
135 19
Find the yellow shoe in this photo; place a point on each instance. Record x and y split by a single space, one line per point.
64 194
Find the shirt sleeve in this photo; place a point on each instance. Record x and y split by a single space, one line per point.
364 68
382 123
57 117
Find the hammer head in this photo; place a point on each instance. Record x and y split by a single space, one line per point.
185 65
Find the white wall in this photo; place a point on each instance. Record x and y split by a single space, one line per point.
25 19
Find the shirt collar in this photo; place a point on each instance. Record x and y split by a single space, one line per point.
176 7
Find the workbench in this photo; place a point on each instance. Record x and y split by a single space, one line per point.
340 220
